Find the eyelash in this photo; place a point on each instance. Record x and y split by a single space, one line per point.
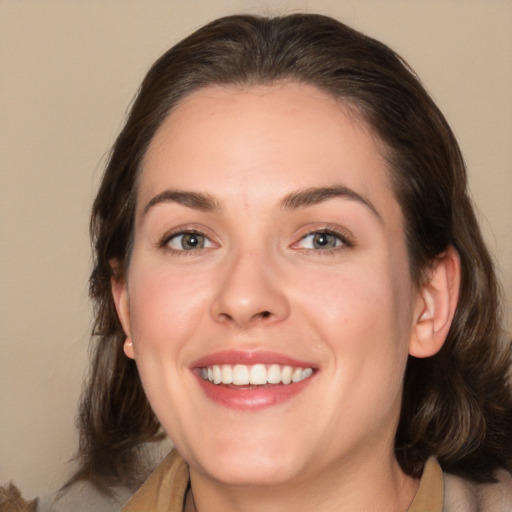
164 243
344 239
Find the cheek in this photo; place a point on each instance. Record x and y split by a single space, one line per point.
165 306
167 311
352 300
364 319
356 317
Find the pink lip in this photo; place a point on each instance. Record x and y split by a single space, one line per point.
250 398
252 357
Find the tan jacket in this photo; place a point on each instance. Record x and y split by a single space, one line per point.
166 488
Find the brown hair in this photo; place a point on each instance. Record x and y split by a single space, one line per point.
456 404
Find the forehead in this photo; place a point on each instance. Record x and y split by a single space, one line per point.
264 141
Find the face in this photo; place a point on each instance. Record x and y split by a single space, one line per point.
268 297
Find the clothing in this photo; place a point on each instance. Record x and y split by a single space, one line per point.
166 490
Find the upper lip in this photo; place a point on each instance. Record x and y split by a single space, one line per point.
249 358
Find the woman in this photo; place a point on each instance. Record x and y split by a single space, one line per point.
287 256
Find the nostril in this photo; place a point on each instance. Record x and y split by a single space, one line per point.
264 314
225 316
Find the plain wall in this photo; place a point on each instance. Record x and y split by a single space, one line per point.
68 71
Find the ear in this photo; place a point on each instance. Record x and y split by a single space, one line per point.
119 289
435 308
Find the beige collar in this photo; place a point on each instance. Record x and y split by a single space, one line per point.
430 495
166 489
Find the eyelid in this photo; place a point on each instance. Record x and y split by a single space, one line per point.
163 242
206 242
345 236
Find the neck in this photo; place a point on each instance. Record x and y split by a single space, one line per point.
343 488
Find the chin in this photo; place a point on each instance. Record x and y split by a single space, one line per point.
250 465
251 471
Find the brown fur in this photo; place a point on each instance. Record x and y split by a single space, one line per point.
11 500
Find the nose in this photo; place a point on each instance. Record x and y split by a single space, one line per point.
251 292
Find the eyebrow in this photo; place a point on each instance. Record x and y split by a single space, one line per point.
292 201
195 200
316 195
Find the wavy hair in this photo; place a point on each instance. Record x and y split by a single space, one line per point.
456 404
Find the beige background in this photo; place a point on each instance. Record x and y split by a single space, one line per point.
68 70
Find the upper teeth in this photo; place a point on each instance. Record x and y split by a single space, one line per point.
258 374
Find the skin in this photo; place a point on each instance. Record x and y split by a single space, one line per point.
352 312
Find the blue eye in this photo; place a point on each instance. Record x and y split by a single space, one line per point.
321 240
188 241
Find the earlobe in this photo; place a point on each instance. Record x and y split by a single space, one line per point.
120 295
436 305
128 348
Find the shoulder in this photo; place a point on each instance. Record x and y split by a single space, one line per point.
83 497
462 495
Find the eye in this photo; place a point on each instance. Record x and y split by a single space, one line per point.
322 240
188 241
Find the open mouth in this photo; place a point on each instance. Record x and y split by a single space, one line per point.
252 381
254 375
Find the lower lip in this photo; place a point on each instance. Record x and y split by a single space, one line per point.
252 398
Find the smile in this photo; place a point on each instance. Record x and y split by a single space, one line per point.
252 380
255 375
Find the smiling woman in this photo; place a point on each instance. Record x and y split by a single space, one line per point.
290 280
